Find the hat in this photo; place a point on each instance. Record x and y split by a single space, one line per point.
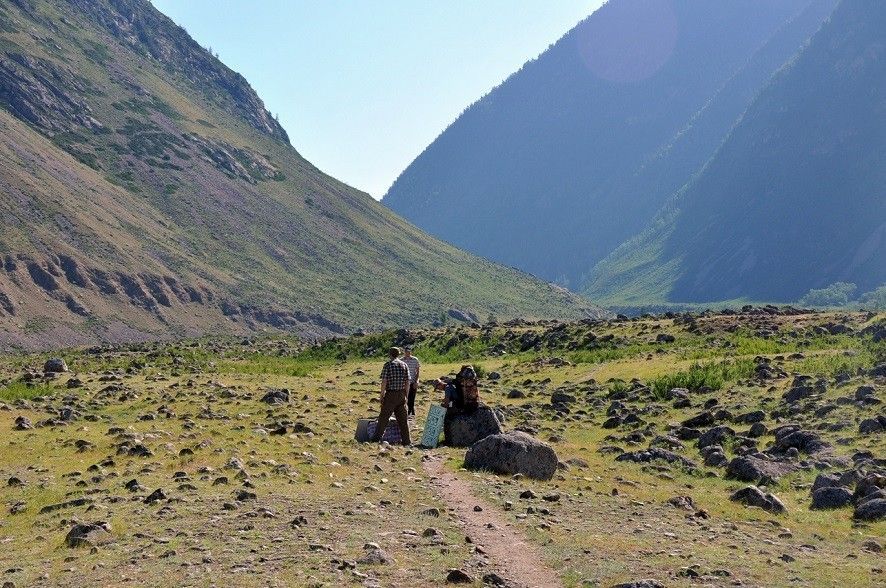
394 351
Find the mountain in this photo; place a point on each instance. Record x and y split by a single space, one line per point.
146 192
578 150
795 198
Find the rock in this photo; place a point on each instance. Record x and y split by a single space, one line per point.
804 441
869 485
863 392
456 576
562 398
89 535
682 502
703 419
513 453
750 418
753 496
872 510
798 393
830 497
55 365
639 584
513 394
656 453
715 436
374 555
757 430
826 481
870 426
23 423
276 396
752 469
466 429
155 496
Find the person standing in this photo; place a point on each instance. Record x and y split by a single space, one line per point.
394 389
414 366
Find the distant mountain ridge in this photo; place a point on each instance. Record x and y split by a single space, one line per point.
574 154
795 199
146 192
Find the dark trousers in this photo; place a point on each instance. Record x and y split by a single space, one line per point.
410 400
393 403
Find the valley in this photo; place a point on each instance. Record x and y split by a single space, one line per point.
202 482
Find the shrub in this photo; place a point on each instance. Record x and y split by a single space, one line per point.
837 294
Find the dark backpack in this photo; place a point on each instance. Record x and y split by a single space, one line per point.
468 397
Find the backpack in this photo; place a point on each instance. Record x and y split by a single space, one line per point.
468 393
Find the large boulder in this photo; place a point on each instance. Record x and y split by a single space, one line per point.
753 496
831 497
464 430
89 534
753 469
872 510
55 365
514 452
276 396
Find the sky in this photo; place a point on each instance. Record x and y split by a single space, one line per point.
362 87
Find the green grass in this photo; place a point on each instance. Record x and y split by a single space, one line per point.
711 375
22 391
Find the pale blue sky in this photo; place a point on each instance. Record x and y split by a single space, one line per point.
362 87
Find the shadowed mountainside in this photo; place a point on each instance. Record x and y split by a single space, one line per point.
578 150
794 199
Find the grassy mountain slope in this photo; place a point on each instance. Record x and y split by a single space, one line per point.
577 151
793 200
146 192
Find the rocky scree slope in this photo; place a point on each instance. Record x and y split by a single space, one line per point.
146 192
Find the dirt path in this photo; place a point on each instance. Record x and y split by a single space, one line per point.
511 556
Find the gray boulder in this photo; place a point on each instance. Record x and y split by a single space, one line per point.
55 365
831 497
89 534
753 496
715 436
875 425
464 430
826 481
872 510
276 396
514 452
753 469
639 584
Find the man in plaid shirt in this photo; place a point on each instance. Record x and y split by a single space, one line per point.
394 388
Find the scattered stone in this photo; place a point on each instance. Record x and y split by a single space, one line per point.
753 469
276 396
657 453
871 510
466 429
155 496
55 365
831 497
753 496
374 555
639 584
513 453
23 423
456 576
89 535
